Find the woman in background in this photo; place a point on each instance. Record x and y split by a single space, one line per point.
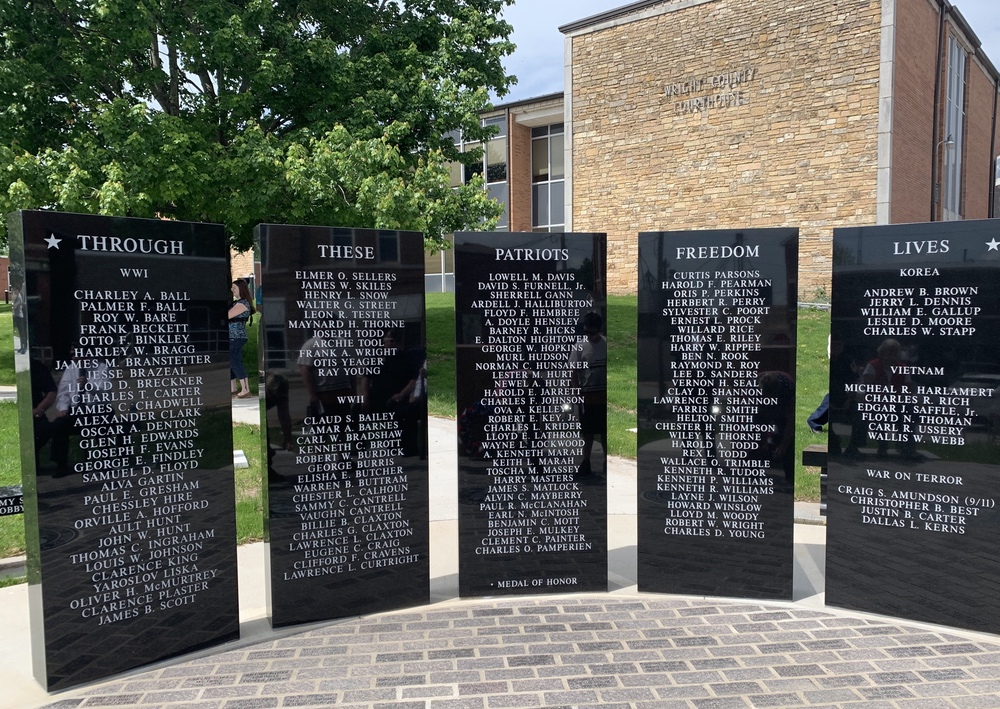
240 315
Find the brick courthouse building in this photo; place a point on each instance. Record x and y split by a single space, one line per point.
706 114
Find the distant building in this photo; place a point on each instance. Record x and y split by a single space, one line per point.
710 114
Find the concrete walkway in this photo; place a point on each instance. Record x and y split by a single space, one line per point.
616 650
620 649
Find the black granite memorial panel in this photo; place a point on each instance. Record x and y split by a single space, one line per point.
913 530
346 421
11 500
531 363
716 406
128 474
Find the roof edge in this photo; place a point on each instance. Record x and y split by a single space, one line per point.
607 15
963 24
526 101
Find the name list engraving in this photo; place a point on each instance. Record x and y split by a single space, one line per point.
712 413
533 500
129 514
913 421
351 494
532 403
892 407
136 405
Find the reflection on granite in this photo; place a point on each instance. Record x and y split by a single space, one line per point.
345 402
123 388
913 525
716 395
531 360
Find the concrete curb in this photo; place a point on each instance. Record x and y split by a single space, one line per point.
13 566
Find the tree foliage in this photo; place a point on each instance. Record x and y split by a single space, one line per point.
332 112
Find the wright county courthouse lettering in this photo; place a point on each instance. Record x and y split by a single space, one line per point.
728 114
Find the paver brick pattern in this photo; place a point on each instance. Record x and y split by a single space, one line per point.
581 652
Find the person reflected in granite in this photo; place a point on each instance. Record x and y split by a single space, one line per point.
836 405
276 397
883 371
240 316
844 370
593 383
911 355
390 390
327 387
396 381
76 382
418 404
778 413
43 397
420 392
18 310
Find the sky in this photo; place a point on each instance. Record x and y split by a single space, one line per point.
538 60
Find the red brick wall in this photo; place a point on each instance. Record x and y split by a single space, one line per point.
519 175
4 274
977 180
913 145
913 110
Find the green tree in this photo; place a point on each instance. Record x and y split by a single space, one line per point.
335 112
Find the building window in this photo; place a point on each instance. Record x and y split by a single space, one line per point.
954 131
548 178
492 166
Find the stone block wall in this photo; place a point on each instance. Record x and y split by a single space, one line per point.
727 114
241 263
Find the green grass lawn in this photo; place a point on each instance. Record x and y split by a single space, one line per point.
11 526
6 345
622 352
250 354
441 354
811 377
249 511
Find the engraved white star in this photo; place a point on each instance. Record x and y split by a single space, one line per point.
993 244
52 241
